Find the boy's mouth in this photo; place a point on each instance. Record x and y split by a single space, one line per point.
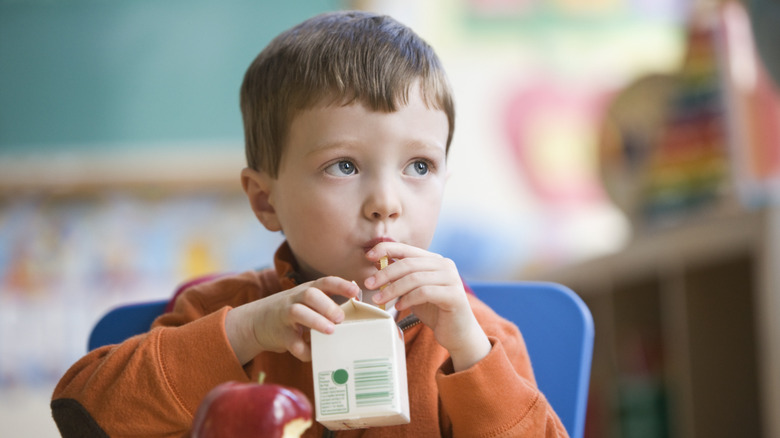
374 242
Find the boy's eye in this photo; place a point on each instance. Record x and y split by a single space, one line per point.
341 168
418 168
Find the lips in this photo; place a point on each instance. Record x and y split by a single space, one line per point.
374 242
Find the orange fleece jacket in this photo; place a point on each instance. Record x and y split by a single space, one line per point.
151 384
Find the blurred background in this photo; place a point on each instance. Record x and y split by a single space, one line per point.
629 149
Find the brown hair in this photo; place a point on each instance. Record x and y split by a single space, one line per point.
342 56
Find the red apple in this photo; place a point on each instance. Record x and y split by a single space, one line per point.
252 410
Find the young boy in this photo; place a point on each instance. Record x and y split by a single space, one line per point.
348 118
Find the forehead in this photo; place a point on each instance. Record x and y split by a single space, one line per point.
329 125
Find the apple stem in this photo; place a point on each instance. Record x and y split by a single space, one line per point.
261 377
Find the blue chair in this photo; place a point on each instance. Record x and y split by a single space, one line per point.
558 330
127 320
555 322
123 322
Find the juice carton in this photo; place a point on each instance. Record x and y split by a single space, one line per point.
360 371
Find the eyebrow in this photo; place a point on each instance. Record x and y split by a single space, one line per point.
331 145
431 147
348 144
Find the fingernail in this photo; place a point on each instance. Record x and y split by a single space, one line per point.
378 297
359 296
370 282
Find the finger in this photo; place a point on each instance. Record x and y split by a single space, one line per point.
406 285
446 272
396 250
321 303
305 316
438 296
444 286
300 349
337 286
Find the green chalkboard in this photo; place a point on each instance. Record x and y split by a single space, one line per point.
97 74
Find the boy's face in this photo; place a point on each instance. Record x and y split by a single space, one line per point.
350 178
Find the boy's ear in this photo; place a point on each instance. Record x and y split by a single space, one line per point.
257 186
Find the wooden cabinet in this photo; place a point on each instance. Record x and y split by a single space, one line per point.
687 338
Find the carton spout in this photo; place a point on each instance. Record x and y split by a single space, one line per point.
355 310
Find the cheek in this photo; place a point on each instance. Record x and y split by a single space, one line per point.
425 216
324 204
313 212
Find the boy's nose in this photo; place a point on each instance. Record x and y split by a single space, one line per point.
383 202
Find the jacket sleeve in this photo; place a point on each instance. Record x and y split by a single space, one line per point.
151 384
498 396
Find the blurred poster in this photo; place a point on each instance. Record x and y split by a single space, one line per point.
754 109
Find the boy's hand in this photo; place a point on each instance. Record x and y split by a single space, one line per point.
430 285
281 322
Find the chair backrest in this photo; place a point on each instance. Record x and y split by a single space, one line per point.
558 330
556 325
123 322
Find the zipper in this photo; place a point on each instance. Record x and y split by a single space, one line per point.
409 322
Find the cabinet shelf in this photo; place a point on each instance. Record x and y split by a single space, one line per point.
686 345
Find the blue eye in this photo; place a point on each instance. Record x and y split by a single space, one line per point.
418 168
341 168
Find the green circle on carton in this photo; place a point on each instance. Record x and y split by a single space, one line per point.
340 376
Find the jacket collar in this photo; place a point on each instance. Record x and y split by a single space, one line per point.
286 267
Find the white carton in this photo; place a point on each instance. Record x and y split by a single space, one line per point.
360 371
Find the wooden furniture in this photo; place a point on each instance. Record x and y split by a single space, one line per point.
688 332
